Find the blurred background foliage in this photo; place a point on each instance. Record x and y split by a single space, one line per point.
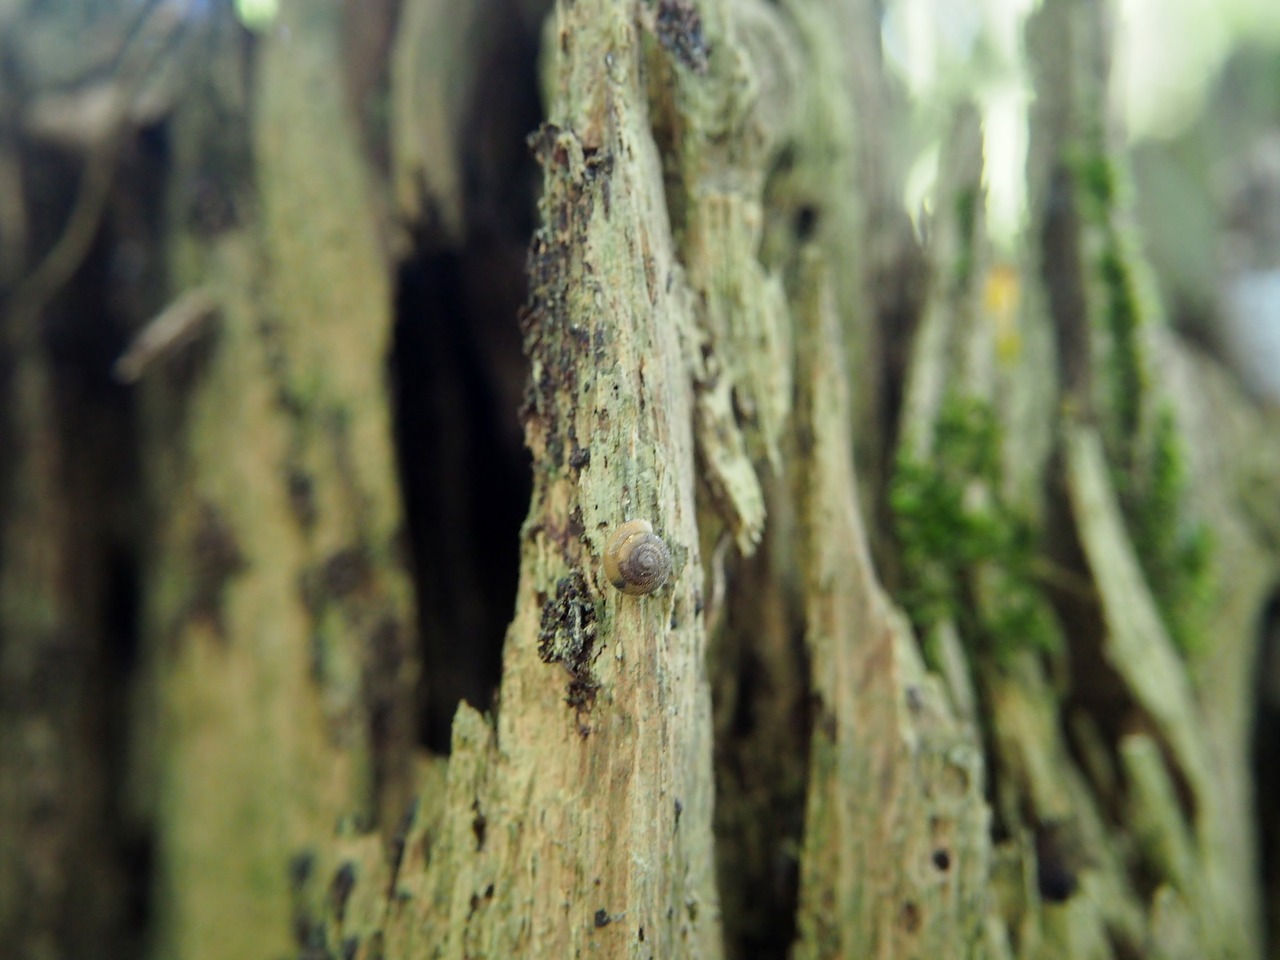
1195 96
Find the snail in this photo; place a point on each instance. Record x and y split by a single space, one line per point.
636 561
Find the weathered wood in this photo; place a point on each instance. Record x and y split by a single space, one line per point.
980 689
277 610
896 844
587 822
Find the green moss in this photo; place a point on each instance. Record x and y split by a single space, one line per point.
967 554
966 225
1097 178
1175 554
1121 316
1120 310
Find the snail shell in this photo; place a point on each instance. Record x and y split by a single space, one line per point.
636 561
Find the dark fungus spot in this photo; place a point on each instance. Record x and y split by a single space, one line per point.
602 918
542 141
1059 858
300 866
581 694
679 30
806 222
480 900
309 935
340 890
915 699
217 558
640 934
567 633
214 547
345 571
385 650
401 835
942 859
1056 881
302 498
479 824
577 527
555 449
211 205
909 917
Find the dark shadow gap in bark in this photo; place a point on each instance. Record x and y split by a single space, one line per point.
121 280
133 841
899 302
1266 770
78 684
459 377
458 373
1097 694
763 718
1094 690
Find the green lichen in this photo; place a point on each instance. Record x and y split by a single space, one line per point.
968 555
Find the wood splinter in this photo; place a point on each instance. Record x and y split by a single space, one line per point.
177 325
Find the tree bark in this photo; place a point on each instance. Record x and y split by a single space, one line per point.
969 556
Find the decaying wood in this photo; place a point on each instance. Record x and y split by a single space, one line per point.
586 822
896 844
960 685
277 605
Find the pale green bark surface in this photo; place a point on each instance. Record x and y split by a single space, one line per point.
278 608
940 671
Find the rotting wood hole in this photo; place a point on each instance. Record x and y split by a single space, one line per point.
459 376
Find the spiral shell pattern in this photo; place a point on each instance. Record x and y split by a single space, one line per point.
636 560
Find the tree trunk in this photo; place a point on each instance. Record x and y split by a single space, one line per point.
309 639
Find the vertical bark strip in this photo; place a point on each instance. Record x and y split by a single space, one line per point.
895 852
583 822
50 792
1041 754
277 608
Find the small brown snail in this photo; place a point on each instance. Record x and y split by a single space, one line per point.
636 561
